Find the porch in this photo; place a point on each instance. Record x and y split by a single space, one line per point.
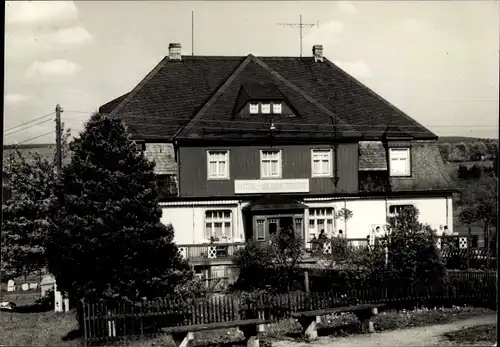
223 253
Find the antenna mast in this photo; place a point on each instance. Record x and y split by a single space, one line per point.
192 32
300 25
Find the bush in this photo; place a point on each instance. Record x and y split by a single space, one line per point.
270 266
413 256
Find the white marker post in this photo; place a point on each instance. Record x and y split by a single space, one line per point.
58 302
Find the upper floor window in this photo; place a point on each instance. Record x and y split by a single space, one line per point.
218 164
270 163
399 159
254 108
321 162
276 108
266 108
218 224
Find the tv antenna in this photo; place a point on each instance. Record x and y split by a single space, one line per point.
300 25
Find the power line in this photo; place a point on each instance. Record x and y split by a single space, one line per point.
31 121
36 137
31 126
157 118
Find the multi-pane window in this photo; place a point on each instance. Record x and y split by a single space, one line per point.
399 159
218 164
270 163
276 108
260 232
321 219
321 162
218 224
266 108
254 108
396 209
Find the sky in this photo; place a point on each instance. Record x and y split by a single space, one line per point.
437 61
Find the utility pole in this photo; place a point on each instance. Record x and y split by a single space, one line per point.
300 25
59 110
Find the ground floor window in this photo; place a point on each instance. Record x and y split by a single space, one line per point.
321 219
396 209
218 225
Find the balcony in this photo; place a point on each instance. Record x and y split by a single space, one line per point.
223 253
210 253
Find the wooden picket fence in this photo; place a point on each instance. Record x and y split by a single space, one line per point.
106 322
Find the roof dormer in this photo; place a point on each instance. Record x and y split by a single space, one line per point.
262 99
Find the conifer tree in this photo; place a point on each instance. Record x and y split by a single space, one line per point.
107 240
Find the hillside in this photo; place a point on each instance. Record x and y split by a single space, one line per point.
465 139
465 149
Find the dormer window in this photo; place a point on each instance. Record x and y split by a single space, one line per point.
266 108
276 108
254 108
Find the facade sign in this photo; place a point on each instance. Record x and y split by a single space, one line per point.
271 186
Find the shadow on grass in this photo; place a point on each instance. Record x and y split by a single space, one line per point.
31 309
481 333
73 335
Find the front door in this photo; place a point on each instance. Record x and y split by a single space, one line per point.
266 227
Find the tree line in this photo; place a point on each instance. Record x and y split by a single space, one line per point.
477 150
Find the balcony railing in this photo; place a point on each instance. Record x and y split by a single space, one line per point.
206 251
209 251
327 246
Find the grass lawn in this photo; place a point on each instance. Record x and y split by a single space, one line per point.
54 329
486 334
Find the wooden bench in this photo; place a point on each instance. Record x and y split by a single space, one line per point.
183 335
310 319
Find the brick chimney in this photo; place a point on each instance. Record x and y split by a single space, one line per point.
318 53
174 51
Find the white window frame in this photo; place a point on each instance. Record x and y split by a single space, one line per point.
277 108
397 209
315 215
217 216
318 152
398 153
253 108
262 222
217 175
280 163
265 108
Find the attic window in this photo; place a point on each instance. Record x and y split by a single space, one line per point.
266 108
254 108
276 108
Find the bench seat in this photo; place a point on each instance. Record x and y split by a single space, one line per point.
183 335
310 319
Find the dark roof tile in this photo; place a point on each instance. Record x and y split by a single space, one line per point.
372 156
428 171
174 92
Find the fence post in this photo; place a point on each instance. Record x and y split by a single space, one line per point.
84 319
306 281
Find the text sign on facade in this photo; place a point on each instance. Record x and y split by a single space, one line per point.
271 186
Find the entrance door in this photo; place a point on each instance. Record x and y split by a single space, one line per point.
273 225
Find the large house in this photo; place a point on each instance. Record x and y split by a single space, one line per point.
247 145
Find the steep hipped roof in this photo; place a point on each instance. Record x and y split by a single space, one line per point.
110 106
186 98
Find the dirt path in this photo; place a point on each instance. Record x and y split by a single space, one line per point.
424 336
